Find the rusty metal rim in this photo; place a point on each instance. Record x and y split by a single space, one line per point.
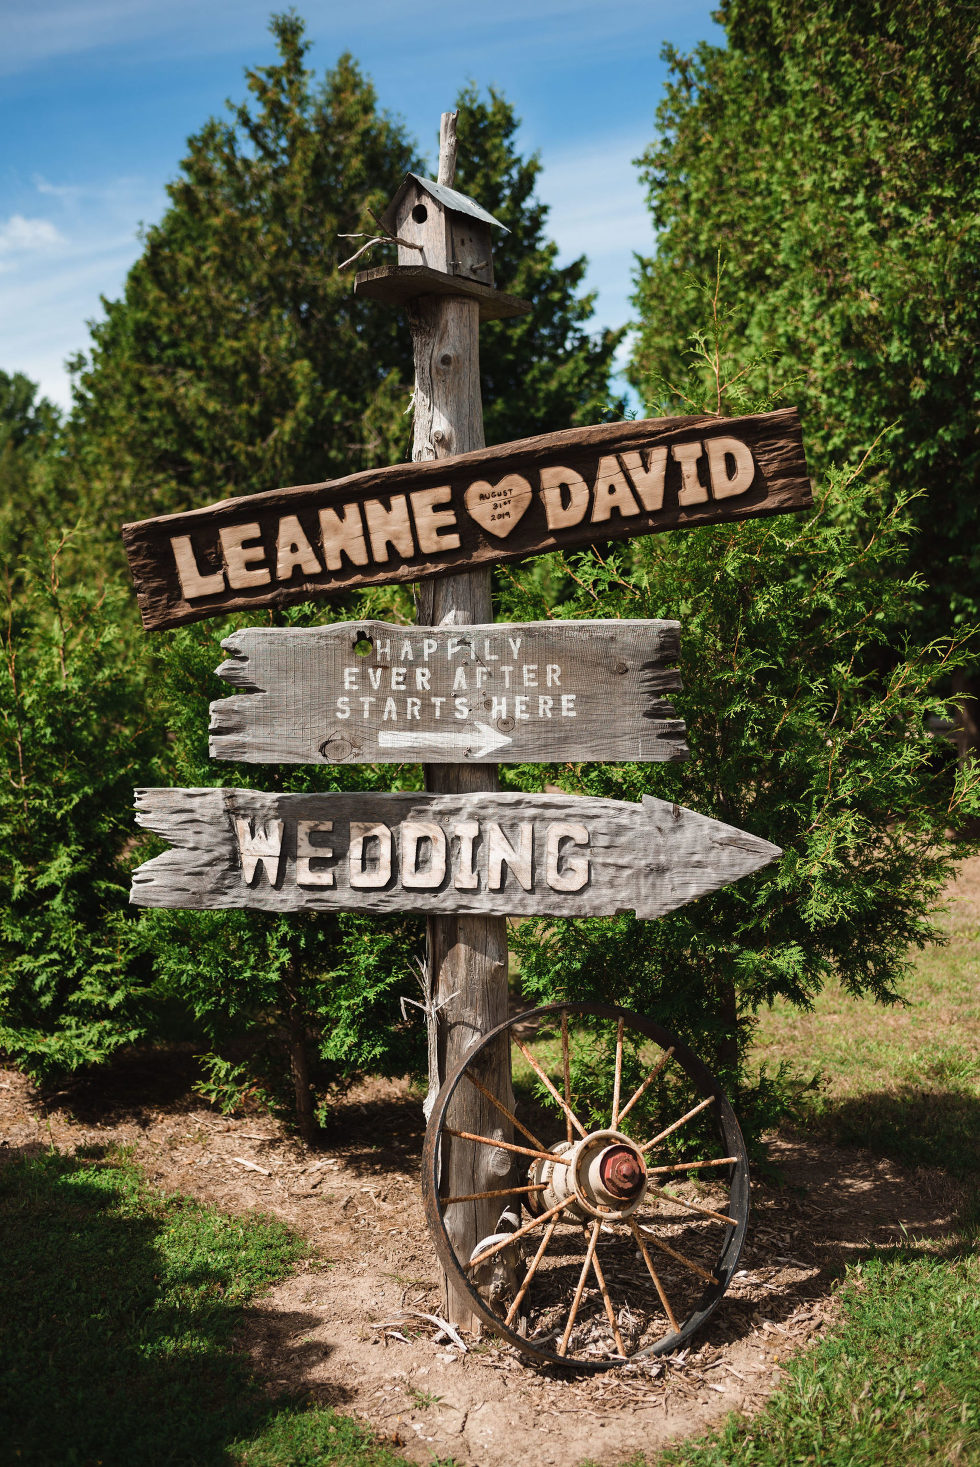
729 1134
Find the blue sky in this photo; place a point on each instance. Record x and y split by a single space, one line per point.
97 98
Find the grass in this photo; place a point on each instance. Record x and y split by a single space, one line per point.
118 1313
902 1081
898 1381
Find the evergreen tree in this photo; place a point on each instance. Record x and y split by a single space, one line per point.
30 440
801 731
239 358
831 153
76 734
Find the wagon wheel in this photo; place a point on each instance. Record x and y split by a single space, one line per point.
627 1192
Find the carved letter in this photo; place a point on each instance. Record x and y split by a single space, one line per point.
574 874
500 851
414 878
307 852
720 450
692 491
466 877
293 549
389 527
432 524
554 481
341 533
612 491
360 877
263 844
648 479
238 556
192 582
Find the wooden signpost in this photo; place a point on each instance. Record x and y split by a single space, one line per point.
486 854
456 692
370 692
481 508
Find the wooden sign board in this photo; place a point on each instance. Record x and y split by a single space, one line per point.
369 692
409 521
502 854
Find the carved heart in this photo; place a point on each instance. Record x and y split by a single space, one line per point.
498 507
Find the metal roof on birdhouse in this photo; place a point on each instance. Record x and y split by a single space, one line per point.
449 198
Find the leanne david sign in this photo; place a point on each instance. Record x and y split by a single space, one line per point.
372 692
502 854
409 521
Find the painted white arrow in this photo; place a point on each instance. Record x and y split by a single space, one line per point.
476 742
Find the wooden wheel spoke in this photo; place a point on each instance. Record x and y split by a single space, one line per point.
531 1270
567 1074
618 1076
642 1089
504 1111
610 1312
690 1166
569 1113
573 1311
669 1130
680 1257
504 1145
529 1227
499 1192
696 1207
653 1274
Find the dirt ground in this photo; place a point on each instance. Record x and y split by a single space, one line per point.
345 1328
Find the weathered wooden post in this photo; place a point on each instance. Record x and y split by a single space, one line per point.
466 968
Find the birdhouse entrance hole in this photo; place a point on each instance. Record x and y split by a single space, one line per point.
420 213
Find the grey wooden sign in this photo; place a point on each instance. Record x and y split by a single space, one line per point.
408 521
374 693
503 854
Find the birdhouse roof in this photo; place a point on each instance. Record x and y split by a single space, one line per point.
449 198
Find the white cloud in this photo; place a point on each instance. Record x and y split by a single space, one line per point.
51 278
19 235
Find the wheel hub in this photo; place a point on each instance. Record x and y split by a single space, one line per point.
602 1175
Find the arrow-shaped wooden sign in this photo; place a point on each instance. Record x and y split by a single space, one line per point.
409 521
503 854
374 693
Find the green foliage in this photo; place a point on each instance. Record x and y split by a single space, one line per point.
317 990
805 700
832 153
118 1316
75 736
30 437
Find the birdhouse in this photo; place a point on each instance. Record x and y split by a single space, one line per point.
441 229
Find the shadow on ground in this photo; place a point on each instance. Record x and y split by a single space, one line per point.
118 1313
912 1126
